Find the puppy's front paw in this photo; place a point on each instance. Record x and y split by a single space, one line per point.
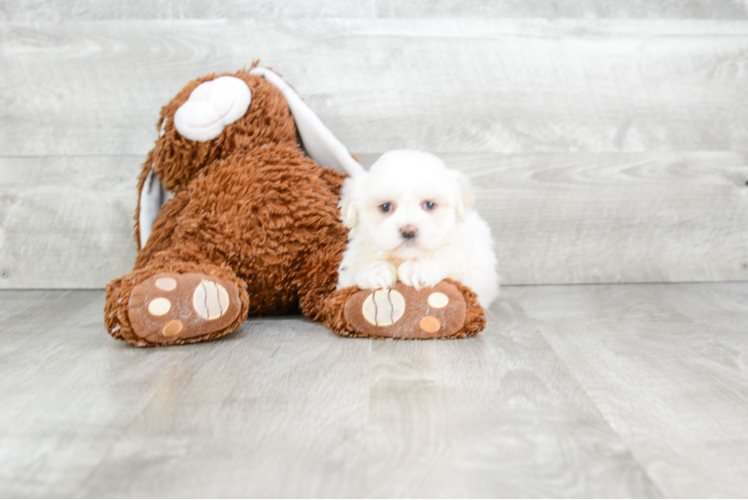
376 275
419 274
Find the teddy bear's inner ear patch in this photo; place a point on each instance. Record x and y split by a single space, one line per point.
212 106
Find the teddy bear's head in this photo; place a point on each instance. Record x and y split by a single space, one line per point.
212 117
219 114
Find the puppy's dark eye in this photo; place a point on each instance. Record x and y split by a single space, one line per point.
385 207
428 205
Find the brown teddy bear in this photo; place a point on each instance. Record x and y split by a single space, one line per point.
250 225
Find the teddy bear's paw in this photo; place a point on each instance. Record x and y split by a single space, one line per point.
406 313
170 308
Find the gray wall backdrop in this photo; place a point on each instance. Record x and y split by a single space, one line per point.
606 139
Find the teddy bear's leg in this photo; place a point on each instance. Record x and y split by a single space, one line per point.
175 302
447 310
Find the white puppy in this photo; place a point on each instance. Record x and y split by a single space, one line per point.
411 219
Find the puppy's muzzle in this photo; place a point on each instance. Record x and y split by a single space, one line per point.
408 232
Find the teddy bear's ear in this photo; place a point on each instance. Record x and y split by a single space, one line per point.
319 142
211 106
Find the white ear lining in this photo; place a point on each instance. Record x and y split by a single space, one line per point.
152 197
319 142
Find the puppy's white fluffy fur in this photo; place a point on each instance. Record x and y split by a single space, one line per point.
411 218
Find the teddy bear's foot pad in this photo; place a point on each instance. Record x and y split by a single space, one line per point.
405 313
169 307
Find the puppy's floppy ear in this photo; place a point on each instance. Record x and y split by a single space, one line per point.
465 199
348 213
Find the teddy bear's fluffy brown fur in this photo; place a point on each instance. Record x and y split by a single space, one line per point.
250 213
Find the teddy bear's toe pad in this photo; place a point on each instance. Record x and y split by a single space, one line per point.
166 308
403 312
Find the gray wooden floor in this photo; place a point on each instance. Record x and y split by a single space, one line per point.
573 391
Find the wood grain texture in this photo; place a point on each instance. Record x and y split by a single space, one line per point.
493 416
639 9
445 85
280 398
602 150
572 391
222 420
66 222
612 218
284 408
57 415
667 366
60 10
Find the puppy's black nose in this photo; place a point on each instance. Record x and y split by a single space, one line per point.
408 232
